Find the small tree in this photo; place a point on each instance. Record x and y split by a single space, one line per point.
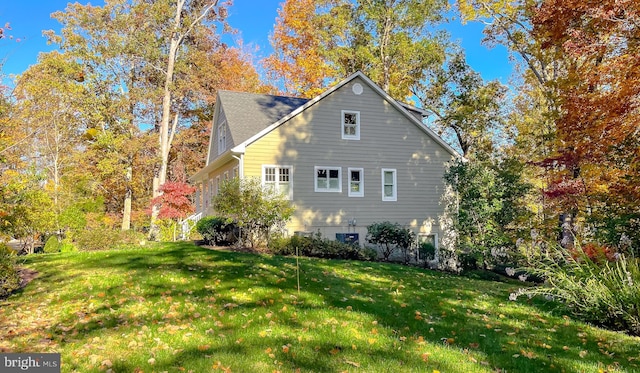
391 236
256 211
174 202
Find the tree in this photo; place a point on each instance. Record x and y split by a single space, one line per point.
174 202
298 59
255 210
389 40
599 98
49 107
463 105
187 16
490 206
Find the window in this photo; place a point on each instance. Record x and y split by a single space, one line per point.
226 175
222 137
356 182
328 179
277 178
389 185
235 172
217 185
350 125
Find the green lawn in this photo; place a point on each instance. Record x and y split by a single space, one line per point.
178 307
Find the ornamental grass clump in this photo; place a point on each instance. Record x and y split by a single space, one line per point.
602 292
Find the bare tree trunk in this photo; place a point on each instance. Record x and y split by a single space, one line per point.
167 132
126 213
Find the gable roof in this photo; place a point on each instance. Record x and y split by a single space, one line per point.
402 108
250 113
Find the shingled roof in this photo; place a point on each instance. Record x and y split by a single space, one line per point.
250 113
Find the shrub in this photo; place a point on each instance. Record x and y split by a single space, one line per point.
427 250
9 277
52 245
256 211
67 246
216 230
390 237
606 294
107 239
316 246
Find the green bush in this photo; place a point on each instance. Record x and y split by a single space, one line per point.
9 276
318 247
391 237
606 294
52 245
216 230
67 246
427 250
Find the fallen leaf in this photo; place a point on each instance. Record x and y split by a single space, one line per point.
583 353
357 365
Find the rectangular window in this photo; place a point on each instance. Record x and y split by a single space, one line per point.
356 182
217 185
389 185
226 175
235 172
328 179
222 137
278 179
350 125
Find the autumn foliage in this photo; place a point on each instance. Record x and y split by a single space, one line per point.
174 201
597 153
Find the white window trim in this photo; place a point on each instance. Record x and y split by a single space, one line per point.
277 175
361 192
222 137
328 190
395 185
217 185
350 137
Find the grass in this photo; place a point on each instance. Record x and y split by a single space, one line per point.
178 307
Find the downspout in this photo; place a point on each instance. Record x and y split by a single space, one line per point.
240 164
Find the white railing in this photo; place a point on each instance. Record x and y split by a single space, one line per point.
189 223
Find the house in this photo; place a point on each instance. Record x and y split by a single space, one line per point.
347 158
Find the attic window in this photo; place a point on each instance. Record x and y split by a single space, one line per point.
350 125
222 137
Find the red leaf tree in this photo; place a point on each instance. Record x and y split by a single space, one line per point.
174 201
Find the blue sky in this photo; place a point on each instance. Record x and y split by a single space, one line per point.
254 20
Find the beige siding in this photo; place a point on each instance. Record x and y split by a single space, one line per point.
219 118
210 185
388 139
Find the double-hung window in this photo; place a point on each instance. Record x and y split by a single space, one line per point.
350 125
277 179
389 184
356 182
222 137
328 179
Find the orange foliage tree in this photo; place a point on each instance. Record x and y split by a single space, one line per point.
298 63
598 135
